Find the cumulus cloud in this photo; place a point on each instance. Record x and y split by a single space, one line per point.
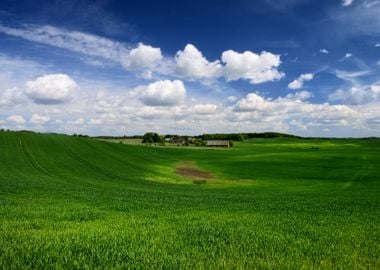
257 68
16 119
144 56
324 51
76 122
104 103
51 89
103 113
163 93
285 110
39 119
357 94
298 83
301 96
192 64
377 45
205 109
11 97
252 102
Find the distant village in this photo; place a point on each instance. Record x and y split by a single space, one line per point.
204 140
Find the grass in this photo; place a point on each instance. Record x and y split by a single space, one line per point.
77 203
122 140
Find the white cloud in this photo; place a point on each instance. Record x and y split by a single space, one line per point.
95 110
11 97
288 113
95 122
189 63
104 103
377 45
357 94
301 96
257 68
76 122
39 119
146 74
163 93
351 75
324 51
348 55
51 89
288 106
205 108
143 56
306 77
16 119
298 83
192 64
346 3
72 40
231 99
104 113
252 102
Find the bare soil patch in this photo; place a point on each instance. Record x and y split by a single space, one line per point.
189 169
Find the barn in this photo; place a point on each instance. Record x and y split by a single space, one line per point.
218 143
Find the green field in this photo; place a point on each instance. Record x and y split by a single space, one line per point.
78 203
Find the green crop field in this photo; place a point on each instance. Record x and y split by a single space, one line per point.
79 203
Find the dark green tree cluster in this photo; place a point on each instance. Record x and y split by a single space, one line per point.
119 137
152 137
225 137
244 136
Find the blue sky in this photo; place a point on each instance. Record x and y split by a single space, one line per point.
120 67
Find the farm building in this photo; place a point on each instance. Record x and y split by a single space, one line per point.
178 140
218 143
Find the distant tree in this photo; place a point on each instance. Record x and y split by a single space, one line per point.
152 137
241 137
148 137
156 138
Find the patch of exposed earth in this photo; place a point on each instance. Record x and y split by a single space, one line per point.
190 169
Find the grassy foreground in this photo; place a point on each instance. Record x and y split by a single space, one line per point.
77 203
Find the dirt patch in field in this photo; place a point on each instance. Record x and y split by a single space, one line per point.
190 169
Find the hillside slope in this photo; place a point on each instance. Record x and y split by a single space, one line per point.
71 202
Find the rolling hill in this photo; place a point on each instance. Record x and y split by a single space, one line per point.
79 203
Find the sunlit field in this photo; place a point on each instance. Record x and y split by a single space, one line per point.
265 203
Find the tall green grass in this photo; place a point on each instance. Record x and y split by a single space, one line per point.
77 203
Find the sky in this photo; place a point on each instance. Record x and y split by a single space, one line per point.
107 67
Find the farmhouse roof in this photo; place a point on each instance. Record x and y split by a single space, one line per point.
218 143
